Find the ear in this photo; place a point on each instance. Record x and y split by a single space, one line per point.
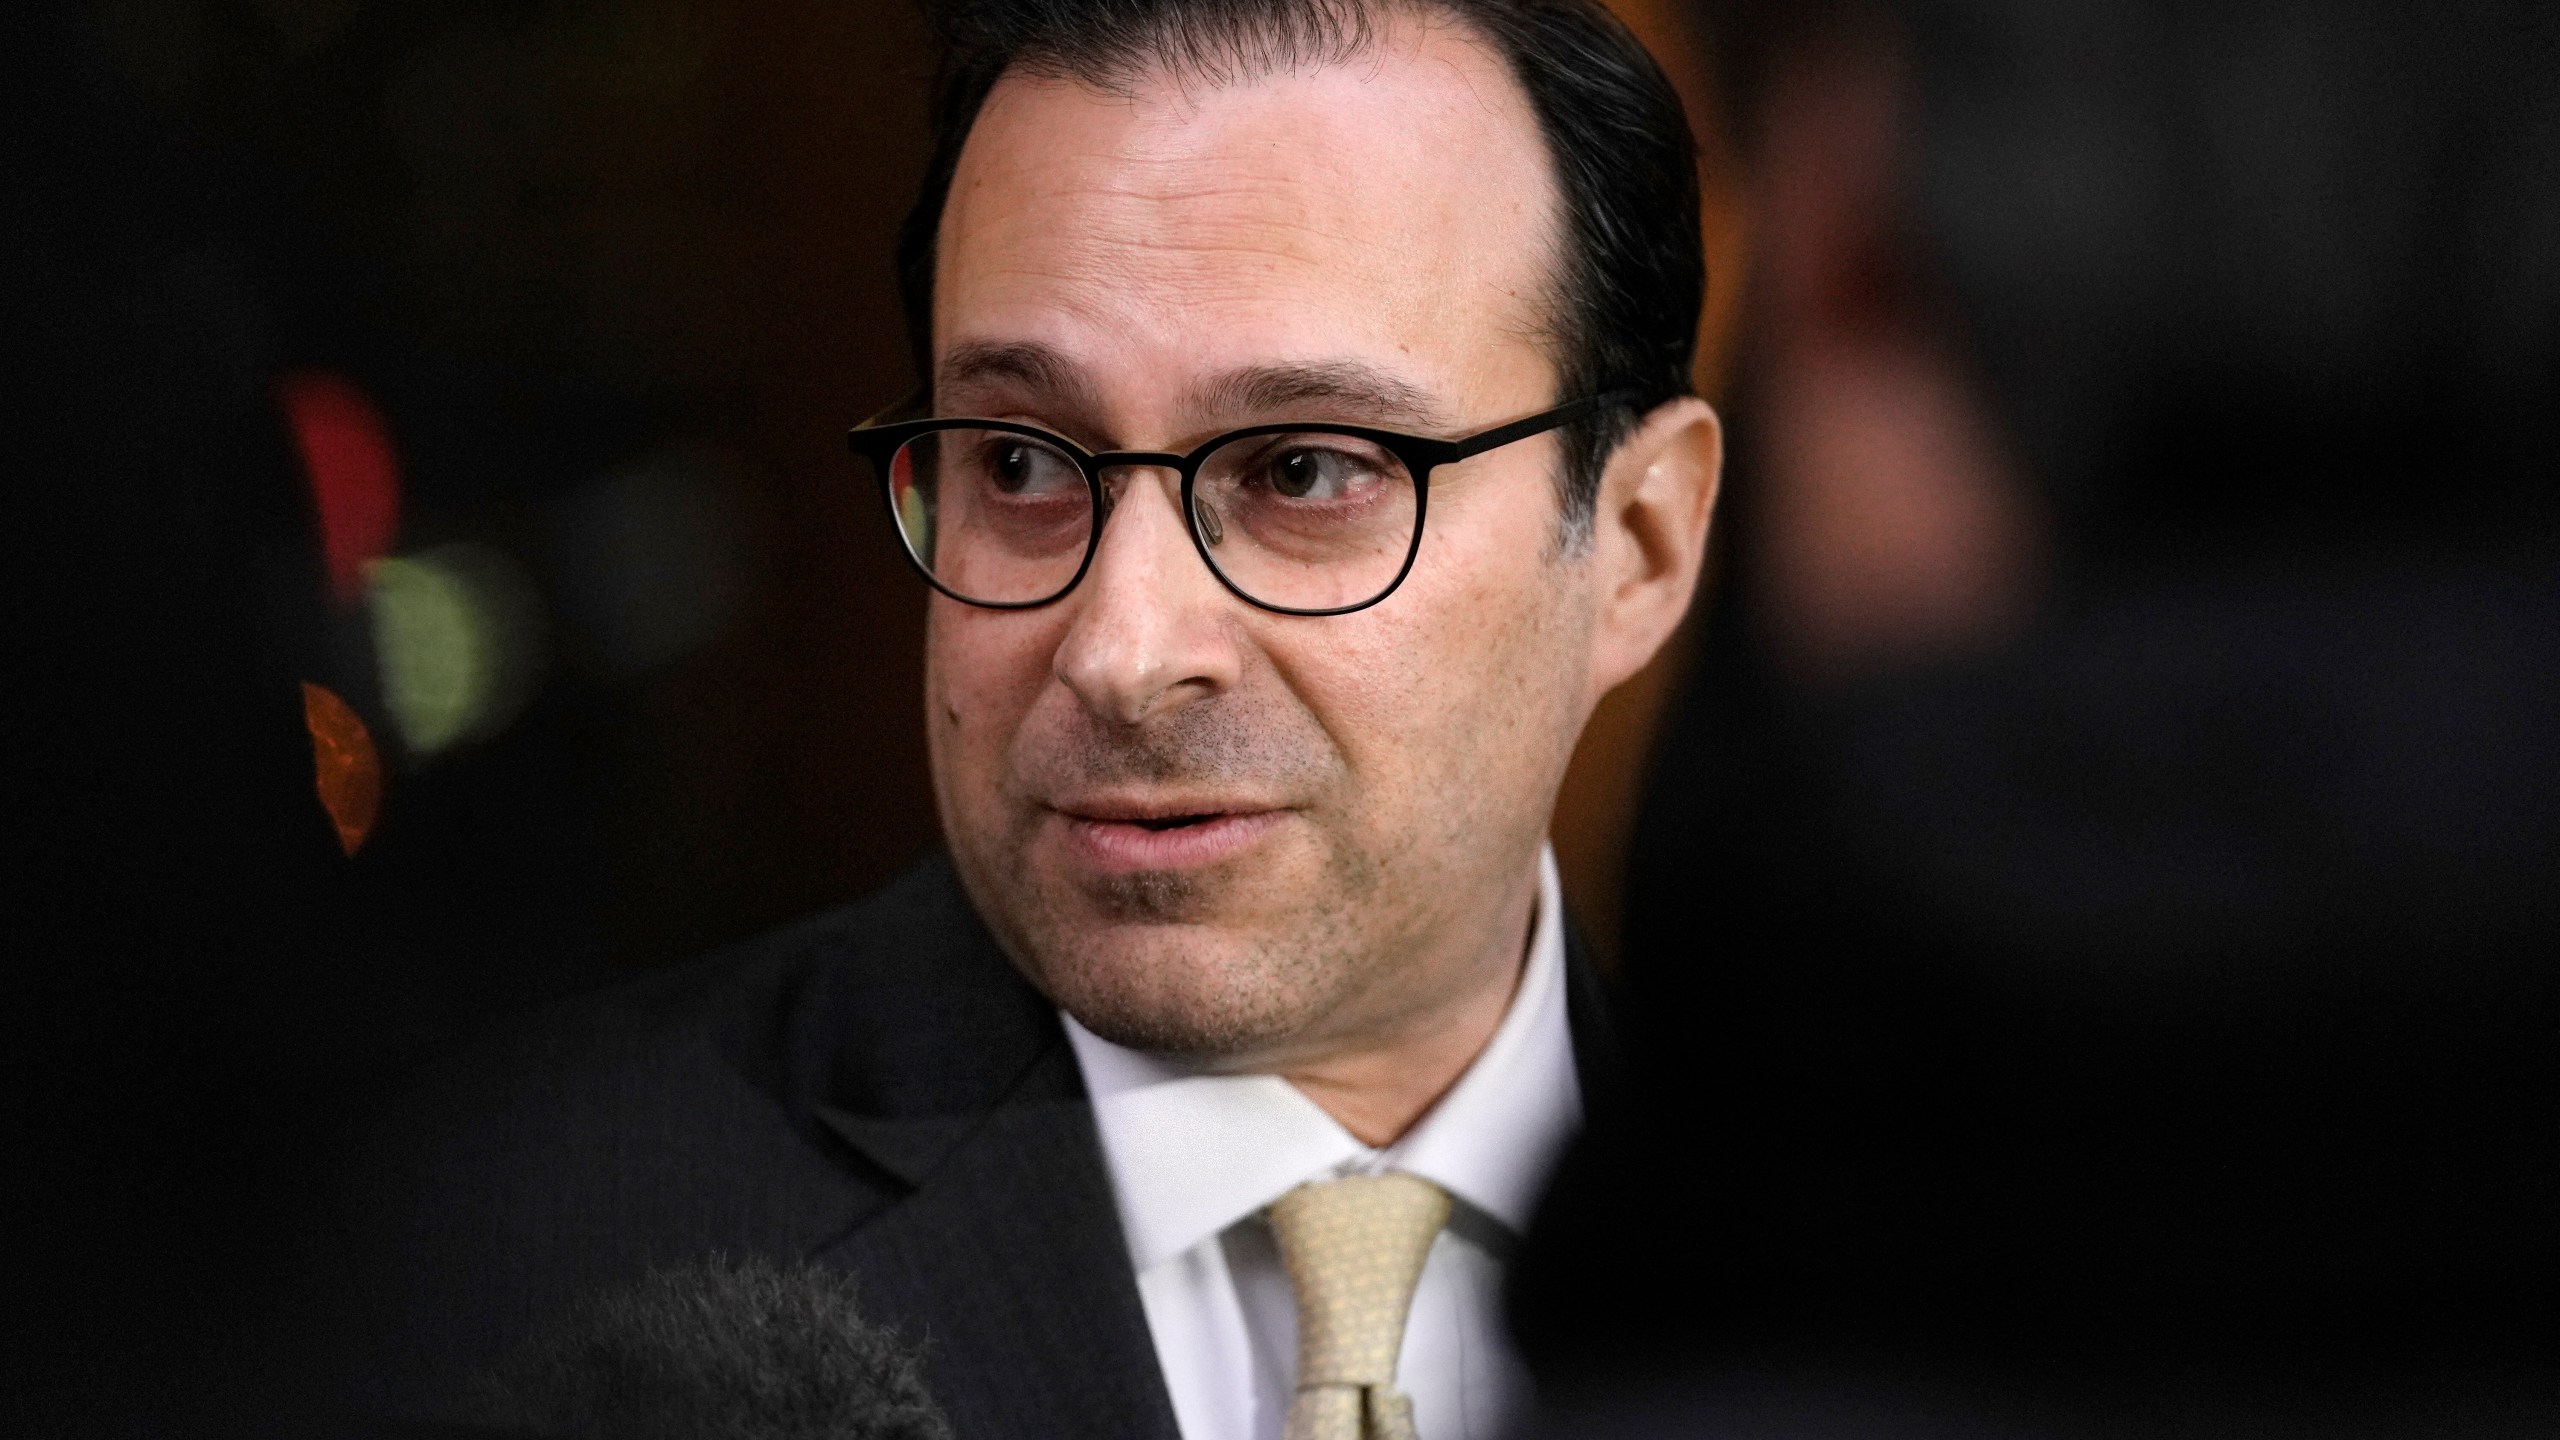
1649 535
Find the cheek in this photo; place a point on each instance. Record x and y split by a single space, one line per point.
983 672
1518 614
1460 695
1517 696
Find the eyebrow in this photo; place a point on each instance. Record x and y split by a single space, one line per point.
1348 391
1025 364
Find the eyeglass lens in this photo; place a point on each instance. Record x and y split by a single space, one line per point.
993 516
1307 520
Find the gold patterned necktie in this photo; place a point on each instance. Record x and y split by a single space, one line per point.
1354 1248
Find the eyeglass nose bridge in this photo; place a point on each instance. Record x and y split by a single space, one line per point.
1103 465
1132 459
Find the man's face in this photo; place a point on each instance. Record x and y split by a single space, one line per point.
1201 827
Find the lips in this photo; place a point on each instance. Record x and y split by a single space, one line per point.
1124 836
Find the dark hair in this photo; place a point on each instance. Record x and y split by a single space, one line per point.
1633 273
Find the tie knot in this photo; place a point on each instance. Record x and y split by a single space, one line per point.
1354 1249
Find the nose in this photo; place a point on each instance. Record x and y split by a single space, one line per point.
1152 629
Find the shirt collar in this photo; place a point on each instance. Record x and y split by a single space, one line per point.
1191 1154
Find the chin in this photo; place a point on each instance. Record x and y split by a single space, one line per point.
1197 991
1143 899
1223 960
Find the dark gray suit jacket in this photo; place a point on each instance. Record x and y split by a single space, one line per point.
877 1089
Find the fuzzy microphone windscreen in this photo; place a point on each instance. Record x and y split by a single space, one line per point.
717 1349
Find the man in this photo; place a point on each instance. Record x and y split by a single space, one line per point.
1204 1088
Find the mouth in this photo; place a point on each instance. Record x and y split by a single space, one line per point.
1123 837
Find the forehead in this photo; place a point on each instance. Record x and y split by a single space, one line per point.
1394 209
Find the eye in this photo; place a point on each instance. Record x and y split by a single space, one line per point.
1308 473
1024 467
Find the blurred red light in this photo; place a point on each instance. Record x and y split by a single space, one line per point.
355 477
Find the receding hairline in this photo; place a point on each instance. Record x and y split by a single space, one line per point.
1236 47
1123 65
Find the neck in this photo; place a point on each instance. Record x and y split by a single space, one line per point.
1380 1089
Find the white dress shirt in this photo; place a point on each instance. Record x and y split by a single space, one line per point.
1194 1159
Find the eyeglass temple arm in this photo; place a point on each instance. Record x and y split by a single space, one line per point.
864 442
1562 415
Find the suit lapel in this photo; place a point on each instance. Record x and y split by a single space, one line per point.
1007 1262
932 1070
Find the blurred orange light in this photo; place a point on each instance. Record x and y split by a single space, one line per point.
344 764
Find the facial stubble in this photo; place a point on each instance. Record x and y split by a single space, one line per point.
1218 963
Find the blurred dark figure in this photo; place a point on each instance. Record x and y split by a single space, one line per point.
511 240
173 879
2096 927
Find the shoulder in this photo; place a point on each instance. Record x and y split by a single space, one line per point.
673 1116
850 1006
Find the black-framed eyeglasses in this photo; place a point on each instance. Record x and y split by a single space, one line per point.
1303 519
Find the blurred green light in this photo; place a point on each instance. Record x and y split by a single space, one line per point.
453 633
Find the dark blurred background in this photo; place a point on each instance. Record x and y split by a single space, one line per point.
2093 922
485 365
2089 925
